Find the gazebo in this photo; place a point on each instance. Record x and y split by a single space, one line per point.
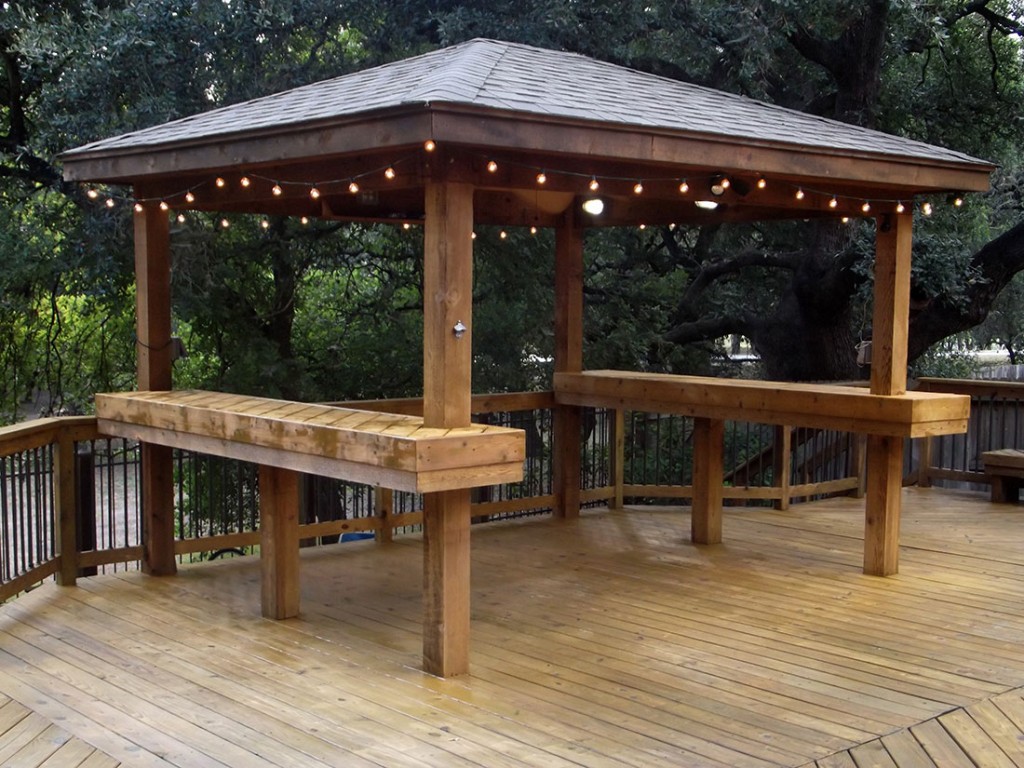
490 132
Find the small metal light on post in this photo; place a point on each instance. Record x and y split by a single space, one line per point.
459 329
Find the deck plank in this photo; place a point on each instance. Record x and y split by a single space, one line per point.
607 641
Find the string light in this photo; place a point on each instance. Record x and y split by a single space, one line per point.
926 208
684 187
164 206
866 207
430 145
492 167
314 193
224 223
542 178
245 182
407 226
139 208
473 236
353 187
181 218
276 190
762 182
638 188
833 203
304 220
389 173
594 184
900 207
220 182
958 201
533 230
92 194
845 219
643 227
190 197
800 194
110 202
503 235
265 224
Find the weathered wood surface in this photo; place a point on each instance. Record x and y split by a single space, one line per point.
29 740
604 641
851 409
362 446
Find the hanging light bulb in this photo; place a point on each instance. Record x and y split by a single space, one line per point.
638 188
533 230
762 182
492 166
220 182
503 235
276 190
407 226
900 207
190 197
866 207
845 219
684 187
304 220
926 208
92 194
181 218
138 208
594 184
719 184
800 194
164 206
472 236
245 181
833 203
224 223
542 178
110 202
643 227
353 187
265 224
958 201
314 193
430 145
389 173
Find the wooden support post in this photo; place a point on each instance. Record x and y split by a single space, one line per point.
782 465
858 464
708 476
279 542
384 509
618 457
153 349
924 461
447 372
888 377
568 358
65 512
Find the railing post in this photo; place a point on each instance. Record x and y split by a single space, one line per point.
706 510
85 502
858 464
65 523
924 462
782 464
617 457
384 509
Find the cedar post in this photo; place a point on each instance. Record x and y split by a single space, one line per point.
279 542
888 377
66 513
618 457
153 331
568 358
706 514
782 465
447 373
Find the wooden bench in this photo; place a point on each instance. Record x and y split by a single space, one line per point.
1005 470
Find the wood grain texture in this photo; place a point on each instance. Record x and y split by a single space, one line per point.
279 542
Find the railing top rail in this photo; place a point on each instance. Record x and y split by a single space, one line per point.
41 432
497 402
1009 390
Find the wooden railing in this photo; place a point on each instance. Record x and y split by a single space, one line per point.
628 457
997 421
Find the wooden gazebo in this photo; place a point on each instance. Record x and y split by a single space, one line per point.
496 133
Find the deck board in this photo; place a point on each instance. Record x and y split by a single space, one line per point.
607 641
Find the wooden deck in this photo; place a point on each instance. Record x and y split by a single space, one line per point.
608 641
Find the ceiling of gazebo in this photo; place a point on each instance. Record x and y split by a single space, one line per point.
499 116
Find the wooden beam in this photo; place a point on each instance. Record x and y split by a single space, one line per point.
888 377
65 510
447 375
279 542
708 445
568 359
153 350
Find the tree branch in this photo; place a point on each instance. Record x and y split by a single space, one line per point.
708 328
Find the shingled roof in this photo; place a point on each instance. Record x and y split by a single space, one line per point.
520 78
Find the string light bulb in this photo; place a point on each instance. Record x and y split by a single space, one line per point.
492 166
181 218
762 182
958 201
533 230
684 187
542 178
719 185
834 202
138 208
407 226
900 207
800 194
638 188
472 236
389 173
224 223
164 206
926 208
594 184
190 197
92 194
314 193
276 190
866 207
265 224
503 235
845 219
245 181
304 220
219 181
353 187
110 202
430 145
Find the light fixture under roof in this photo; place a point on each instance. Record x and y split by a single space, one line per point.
706 205
594 206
